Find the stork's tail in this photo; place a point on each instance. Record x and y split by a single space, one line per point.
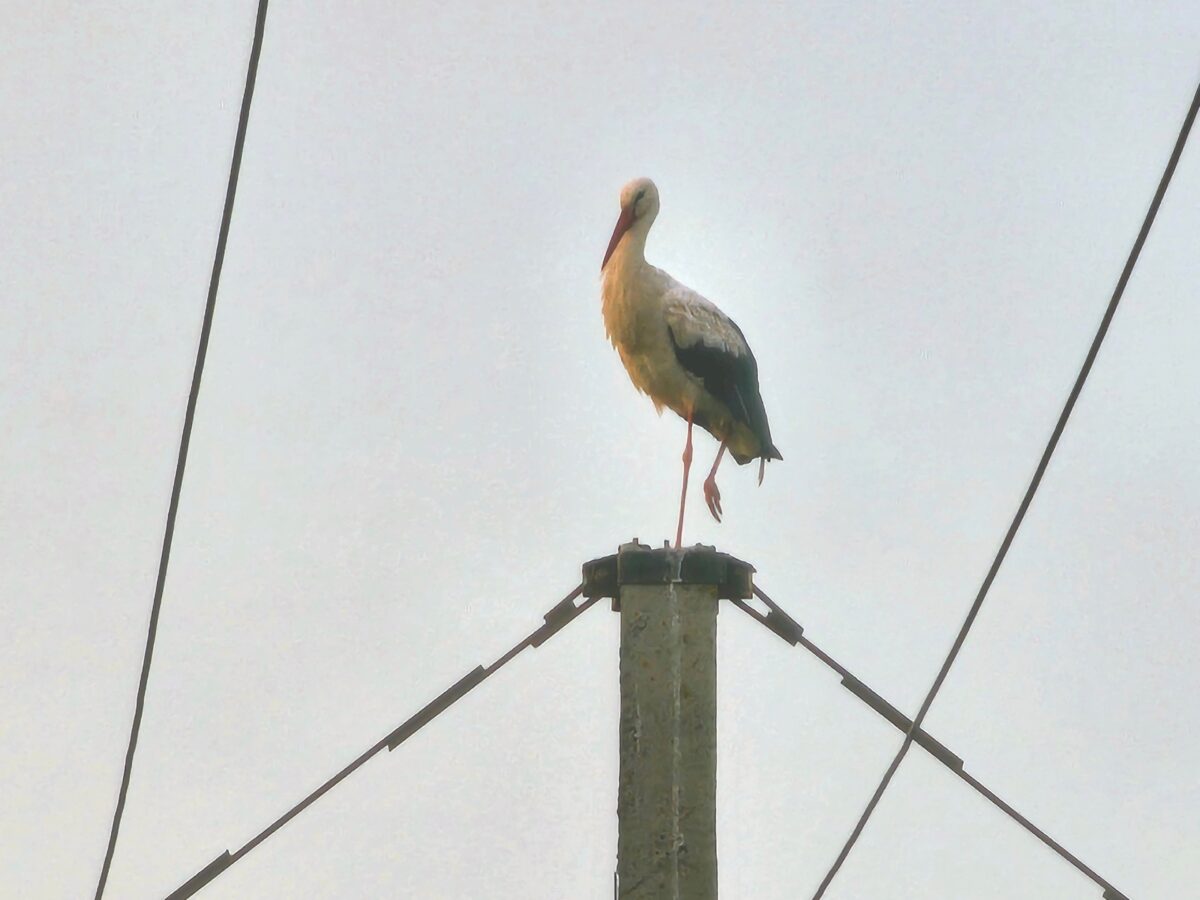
772 452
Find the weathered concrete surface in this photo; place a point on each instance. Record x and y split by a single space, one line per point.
666 801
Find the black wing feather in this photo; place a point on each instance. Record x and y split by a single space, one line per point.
733 379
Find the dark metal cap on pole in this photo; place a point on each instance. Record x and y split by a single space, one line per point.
636 563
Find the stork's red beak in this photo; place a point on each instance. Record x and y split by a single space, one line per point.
624 222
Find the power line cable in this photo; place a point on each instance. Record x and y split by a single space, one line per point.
184 441
1180 142
560 615
791 631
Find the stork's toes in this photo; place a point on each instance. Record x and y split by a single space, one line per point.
712 496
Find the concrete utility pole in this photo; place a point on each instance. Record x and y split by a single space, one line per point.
666 797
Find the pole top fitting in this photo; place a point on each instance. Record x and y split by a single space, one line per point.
636 563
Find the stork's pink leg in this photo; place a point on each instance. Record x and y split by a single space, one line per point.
687 465
712 496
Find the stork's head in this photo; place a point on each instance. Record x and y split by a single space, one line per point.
639 206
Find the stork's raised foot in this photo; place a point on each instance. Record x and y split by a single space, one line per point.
712 496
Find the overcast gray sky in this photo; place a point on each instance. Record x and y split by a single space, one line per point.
412 432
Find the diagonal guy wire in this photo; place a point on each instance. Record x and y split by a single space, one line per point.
791 631
561 614
1180 142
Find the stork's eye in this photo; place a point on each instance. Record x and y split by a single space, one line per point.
639 195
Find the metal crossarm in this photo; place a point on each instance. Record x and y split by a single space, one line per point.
560 615
791 631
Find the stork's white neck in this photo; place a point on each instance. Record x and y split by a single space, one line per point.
630 256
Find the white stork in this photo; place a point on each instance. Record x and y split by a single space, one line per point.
680 349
